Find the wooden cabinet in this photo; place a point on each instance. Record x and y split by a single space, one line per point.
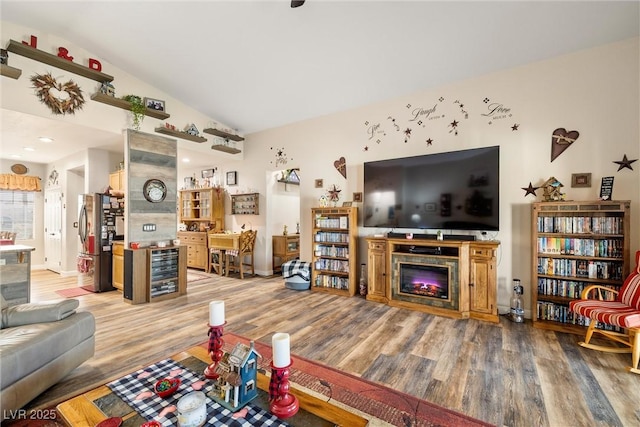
377 269
117 274
201 210
472 274
197 251
245 204
575 244
285 248
117 180
482 283
15 273
334 253
154 274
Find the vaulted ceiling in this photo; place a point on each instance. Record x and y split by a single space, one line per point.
255 65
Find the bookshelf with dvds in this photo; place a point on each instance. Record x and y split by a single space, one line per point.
334 250
574 245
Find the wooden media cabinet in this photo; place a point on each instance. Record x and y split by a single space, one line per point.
470 267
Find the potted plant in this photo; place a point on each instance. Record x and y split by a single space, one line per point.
137 109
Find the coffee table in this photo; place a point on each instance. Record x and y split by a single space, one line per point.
101 403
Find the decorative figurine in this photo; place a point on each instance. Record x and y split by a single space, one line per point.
237 380
552 191
107 88
192 130
284 231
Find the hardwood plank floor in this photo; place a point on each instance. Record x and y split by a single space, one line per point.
505 374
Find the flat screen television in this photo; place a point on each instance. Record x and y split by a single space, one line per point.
458 190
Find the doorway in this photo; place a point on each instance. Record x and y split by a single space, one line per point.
53 229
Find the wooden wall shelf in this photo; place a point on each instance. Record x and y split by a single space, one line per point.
126 105
179 134
8 71
53 60
225 148
223 134
289 182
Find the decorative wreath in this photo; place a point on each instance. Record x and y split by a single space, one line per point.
43 84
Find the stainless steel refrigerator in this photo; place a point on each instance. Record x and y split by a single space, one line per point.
100 222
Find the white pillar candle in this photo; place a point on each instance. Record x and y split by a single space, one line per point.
281 354
216 313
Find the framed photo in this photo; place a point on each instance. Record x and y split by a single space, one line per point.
581 180
154 104
346 204
319 183
232 178
357 197
208 173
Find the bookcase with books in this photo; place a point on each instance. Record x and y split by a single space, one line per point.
574 245
334 250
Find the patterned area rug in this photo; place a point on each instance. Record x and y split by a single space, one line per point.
386 404
193 276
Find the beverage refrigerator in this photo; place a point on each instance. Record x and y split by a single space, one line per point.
100 222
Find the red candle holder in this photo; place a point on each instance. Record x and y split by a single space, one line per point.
282 404
215 350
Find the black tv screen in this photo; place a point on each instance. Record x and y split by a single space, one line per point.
458 190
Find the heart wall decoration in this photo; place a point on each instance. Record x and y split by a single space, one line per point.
561 140
61 98
341 166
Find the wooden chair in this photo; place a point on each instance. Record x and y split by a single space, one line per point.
236 261
623 314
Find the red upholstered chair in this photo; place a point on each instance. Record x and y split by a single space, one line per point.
623 313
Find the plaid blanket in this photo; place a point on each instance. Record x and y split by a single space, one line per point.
297 268
134 390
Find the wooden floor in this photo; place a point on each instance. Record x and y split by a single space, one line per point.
505 374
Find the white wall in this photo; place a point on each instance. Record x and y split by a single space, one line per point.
594 92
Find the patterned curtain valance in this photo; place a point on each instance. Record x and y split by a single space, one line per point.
9 181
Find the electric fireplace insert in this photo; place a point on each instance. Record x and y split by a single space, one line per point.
424 280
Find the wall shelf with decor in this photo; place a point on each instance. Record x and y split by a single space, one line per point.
126 105
179 134
335 241
11 72
223 134
245 204
225 149
574 245
56 61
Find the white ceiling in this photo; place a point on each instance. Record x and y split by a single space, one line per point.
255 65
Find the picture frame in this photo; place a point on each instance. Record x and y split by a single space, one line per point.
153 104
357 197
319 183
207 173
580 180
347 204
232 178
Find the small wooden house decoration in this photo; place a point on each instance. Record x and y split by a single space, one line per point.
237 383
192 130
107 88
552 191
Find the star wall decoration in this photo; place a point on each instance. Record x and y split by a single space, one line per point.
625 163
515 127
530 190
429 141
334 193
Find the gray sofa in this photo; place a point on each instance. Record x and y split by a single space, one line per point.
40 343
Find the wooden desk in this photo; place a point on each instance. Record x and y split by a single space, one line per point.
83 410
222 242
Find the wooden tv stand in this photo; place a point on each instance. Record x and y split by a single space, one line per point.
472 275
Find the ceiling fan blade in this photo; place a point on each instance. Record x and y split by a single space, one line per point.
297 3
